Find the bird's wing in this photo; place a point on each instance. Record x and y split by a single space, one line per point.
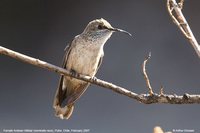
68 96
100 61
60 94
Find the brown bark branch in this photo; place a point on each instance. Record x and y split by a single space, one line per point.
175 12
143 98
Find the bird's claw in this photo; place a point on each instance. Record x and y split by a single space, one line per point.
74 73
94 79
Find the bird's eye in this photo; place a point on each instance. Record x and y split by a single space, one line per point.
100 27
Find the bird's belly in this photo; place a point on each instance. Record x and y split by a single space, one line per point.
84 61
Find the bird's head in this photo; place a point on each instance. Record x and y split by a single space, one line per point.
100 28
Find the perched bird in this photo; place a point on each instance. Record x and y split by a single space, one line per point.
83 55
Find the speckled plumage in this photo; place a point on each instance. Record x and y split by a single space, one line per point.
83 55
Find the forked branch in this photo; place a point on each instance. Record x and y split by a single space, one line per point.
143 98
175 12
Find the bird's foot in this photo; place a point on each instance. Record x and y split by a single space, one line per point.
94 78
74 73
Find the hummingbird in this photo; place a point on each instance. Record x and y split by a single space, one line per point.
82 56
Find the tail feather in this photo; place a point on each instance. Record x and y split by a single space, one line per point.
66 96
64 112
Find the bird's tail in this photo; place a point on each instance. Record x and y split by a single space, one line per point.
64 112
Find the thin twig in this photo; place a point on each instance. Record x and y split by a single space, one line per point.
146 76
161 91
182 23
143 98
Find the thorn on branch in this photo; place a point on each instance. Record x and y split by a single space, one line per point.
161 91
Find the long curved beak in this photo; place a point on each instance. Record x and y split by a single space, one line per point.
119 30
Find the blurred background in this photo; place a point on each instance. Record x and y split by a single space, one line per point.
42 29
